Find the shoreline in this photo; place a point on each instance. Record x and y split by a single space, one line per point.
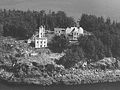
70 79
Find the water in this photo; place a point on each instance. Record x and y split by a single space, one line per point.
100 86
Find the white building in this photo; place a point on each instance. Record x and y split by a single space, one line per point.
59 31
41 32
74 32
41 40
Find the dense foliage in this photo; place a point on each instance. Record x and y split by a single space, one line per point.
104 41
22 24
59 43
106 31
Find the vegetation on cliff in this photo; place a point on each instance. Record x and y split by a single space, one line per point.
94 58
18 64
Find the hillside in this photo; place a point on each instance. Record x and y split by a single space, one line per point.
21 63
92 59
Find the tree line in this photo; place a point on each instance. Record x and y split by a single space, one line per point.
106 31
22 24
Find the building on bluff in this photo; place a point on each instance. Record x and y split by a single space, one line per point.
71 32
39 39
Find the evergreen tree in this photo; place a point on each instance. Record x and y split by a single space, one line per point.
59 43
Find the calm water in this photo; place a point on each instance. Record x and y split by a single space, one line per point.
103 86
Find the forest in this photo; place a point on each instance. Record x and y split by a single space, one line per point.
22 24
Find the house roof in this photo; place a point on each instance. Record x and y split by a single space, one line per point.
68 30
72 29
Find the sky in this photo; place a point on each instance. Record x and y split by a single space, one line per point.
75 8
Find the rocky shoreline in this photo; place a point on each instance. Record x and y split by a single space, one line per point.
70 78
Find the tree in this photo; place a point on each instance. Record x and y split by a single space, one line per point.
1 29
63 21
88 22
59 43
93 48
116 47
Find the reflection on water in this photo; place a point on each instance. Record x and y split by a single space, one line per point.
100 86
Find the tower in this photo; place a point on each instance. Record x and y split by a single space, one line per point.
41 32
41 40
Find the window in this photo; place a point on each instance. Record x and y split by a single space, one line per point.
75 38
40 45
41 42
74 33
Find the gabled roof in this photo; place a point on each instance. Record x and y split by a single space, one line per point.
72 29
68 30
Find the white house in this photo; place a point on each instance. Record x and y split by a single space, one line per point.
74 32
40 42
39 38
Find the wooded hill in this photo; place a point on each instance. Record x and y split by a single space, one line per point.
105 41
22 24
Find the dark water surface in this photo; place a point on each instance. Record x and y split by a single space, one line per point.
100 86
